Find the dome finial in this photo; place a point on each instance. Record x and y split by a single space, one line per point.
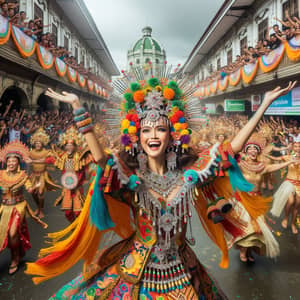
147 31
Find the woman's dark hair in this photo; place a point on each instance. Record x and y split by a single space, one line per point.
184 160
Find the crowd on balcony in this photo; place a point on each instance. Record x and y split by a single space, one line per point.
36 30
20 125
274 37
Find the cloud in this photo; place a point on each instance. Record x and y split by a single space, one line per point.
176 24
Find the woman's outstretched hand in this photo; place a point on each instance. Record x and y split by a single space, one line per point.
278 92
65 97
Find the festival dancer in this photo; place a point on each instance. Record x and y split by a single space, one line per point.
250 208
13 227
288 194
72 161
160 186
40 178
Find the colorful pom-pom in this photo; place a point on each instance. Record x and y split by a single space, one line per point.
125 140
190 177
172 85
153 82
185 132
183 126
128 97
138 96
185 139
125 123
110 162
177 126
132 130
185 146
135 86
132 123
125 131
169 94
182 120
134 182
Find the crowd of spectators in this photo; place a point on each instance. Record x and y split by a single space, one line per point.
19 125
285 130
38 31
273 39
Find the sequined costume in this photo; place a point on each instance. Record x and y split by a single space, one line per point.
71 197
153 259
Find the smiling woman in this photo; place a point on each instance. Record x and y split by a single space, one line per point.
154 259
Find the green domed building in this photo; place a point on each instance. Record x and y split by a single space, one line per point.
146 50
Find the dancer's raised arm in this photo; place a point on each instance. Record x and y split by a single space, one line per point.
72 99
241 138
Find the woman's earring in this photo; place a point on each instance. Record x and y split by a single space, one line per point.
171 160
142 160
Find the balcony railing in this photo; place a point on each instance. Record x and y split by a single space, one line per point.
14 41
281 62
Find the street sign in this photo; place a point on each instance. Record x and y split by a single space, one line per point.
234 105
288 104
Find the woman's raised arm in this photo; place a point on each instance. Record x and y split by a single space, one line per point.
241 138
96 149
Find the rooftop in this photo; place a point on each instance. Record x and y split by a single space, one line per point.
78 14
229 13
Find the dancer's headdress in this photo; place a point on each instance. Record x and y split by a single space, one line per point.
40 136
14 149
147 100
256 140
71 136
266 131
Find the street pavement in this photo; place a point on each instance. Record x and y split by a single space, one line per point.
265 280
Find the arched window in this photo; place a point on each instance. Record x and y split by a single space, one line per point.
147 60
157 61
137 61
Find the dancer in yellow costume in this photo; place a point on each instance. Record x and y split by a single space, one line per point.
40 177
13 227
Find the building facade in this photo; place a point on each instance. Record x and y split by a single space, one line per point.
146 51
239 24
24 79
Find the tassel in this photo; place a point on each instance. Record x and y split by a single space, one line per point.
99 212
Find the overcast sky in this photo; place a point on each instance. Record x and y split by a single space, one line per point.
176 24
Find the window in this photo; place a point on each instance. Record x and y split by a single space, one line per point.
38 12
262 29
243 44
137 61
229 57
219 63
157 61
54 33
210 68
66 43
292 7
147 60
76 53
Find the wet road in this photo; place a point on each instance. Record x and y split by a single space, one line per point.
265 280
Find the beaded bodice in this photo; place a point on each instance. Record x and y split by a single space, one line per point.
164 202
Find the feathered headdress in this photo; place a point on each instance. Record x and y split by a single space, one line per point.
71 136
256 140
145 101
14 148
40 136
